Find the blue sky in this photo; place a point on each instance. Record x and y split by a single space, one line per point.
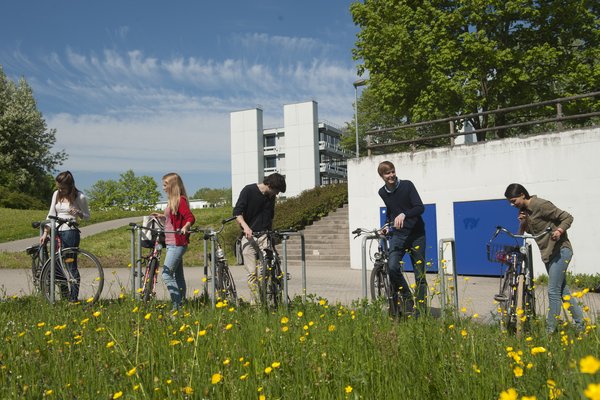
149 85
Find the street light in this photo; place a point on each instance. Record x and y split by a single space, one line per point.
357 83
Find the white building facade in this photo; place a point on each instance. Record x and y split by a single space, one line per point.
307 152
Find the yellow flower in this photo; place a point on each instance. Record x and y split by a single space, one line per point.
244 377
451 326
229 326
187 390
132 371
589 365
464 333
175 342
528 398
110 344
117 395
203 279
284 320
190 339
592 391
510 394
195 294
97 314
216 378
220 304
348 389
226 361
284 328
300 314
322 302
538 350
331 328
135 309
262 397
463 310
476 368
268 370
148 316
202 333
48 392
518 371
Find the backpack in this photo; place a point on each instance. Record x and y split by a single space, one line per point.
148 237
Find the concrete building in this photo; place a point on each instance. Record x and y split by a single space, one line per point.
304 150
194 204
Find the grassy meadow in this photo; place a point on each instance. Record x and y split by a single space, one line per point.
132 350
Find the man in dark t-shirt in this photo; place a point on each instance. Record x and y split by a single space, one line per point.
407 234
254 212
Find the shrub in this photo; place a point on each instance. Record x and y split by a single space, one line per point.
19 201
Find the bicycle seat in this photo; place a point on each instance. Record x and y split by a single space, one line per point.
500 297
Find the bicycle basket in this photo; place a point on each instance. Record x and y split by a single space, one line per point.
502 253
148 236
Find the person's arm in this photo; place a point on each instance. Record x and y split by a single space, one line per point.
416 204
560 218
51 212
186 213
238 211
81 210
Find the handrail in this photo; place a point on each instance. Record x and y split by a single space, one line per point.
559 117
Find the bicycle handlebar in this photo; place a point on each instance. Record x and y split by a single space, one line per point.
516 236
377 231
134 225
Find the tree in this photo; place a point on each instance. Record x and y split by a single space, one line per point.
433 59
26 157
129 193
216 197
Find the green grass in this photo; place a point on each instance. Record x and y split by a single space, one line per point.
17 223
126 349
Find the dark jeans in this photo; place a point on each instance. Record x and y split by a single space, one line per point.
399 244
71 238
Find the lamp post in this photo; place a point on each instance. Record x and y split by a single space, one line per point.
357 83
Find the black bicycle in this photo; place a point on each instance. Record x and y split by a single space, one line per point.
271 277
78 275
224 283
516 296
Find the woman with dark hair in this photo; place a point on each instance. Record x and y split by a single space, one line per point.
535 215
68 203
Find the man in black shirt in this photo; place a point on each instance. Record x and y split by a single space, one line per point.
254 211
407 229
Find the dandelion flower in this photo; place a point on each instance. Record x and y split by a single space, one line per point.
262 397
244 377
187 390
592 391
276 364
538 350
510 394
117 395
331 328
216 378
228 327
190 339
300 314
284 320
528 398
195 294
268 370
589 365
226 361
135 309
464 333
202 332
132 371
348 389
476 368
48 392
174 342
110 344
518 371
148 316
97 314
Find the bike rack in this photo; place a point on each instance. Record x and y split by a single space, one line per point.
364 264
136 259
303 260
52 258
442 273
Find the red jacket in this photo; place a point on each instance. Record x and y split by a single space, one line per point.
183 216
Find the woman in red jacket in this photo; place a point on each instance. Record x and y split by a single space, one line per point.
177 217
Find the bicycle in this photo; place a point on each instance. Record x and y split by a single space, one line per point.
516 297
224 283
76 272
155 241
270 280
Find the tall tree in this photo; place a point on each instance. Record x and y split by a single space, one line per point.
130 192
436 58
216 197
26 156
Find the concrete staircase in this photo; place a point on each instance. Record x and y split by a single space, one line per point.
326 242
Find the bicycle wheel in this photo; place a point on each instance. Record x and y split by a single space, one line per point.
78 276
150 279
270 284
225 283
39 255
506 306
381 288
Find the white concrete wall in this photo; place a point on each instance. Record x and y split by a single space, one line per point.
301 147
562 167
246 149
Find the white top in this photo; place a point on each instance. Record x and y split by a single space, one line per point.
61 209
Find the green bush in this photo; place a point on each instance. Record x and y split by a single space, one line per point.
19 201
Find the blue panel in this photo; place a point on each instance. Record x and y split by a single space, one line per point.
474 224
431 254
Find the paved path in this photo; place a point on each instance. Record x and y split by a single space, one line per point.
20 245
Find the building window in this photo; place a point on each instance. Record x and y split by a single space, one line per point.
269 141
270 162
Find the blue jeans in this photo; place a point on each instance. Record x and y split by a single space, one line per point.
173 274
399 244
71 238
557 290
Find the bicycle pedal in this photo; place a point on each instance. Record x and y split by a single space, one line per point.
500 297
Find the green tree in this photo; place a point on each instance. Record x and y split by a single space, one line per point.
26 156
216 197
432 59
130 192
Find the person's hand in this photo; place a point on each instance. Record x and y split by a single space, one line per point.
557 234
184 230
399 221
44 237
74 212
522 216
248 233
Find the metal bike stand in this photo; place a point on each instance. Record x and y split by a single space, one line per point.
206 266
303 261
442 273
213 255
139 261
132 264
52 259
364 264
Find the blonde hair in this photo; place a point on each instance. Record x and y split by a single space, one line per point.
175 190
